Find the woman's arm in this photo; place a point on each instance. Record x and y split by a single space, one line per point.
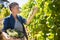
31 15
5 23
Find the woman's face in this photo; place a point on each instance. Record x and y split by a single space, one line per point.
16 10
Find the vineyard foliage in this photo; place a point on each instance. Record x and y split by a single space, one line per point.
46 23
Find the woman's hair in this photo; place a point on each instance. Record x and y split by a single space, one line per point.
13 5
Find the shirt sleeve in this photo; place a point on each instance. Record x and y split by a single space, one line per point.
5 23
24 20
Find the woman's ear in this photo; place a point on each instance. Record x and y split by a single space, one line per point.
12 9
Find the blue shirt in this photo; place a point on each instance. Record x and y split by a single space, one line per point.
9 23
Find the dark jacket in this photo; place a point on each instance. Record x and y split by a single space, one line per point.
9 22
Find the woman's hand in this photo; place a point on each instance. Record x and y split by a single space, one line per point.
35 9
6 36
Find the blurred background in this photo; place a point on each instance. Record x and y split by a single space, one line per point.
46 23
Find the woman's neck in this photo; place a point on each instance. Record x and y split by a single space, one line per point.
15 16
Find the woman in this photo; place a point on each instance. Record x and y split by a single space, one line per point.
16 22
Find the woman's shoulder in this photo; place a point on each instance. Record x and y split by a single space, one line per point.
19 16
7 18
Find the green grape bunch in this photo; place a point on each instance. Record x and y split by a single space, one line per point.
14 33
